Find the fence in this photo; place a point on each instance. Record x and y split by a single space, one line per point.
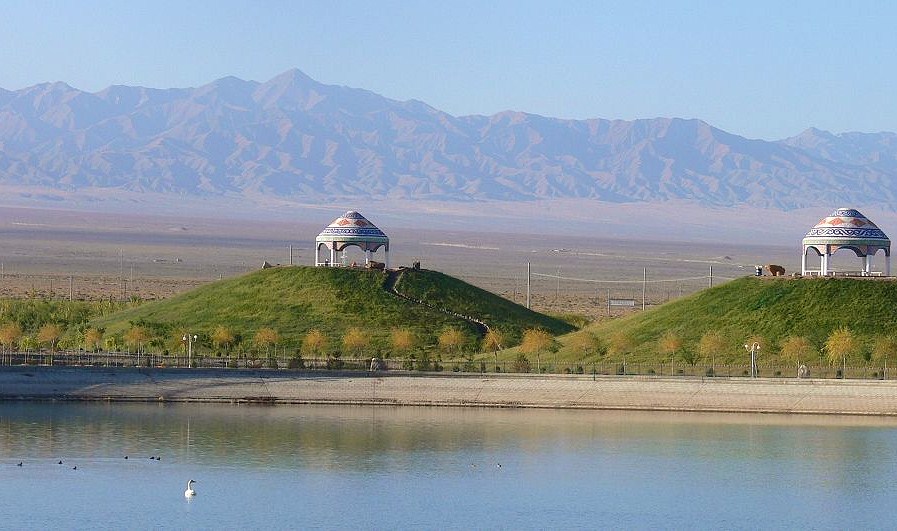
467 366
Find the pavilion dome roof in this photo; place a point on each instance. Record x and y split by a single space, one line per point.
845 227
352 227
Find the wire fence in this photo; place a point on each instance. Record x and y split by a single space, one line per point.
429 365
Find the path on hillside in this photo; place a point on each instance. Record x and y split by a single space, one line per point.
393 279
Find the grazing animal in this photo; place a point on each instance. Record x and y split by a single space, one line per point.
189 493
775 270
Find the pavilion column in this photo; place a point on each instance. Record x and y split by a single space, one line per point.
317 255
367 256
867 266
387 256
824 267
332 255
803 262
887 264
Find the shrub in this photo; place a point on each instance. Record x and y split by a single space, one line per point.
296 362
579 369
521 364
423 364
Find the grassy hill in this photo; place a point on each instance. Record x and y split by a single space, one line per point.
768 310
441 290
294 300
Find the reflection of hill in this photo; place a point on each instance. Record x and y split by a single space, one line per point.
383 438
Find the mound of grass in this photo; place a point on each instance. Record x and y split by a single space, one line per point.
444 291
294 300
767 310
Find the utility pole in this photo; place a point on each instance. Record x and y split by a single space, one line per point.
291 254
711 276
644 286
557 290
528 285
71 288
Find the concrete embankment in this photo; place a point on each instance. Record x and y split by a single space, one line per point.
852 397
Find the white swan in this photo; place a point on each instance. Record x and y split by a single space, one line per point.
189 493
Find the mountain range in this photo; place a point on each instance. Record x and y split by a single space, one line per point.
295 138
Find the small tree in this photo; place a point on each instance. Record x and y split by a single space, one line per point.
585 343
111 343
796 350
492 342
621 344
885 350
451 340
10 334
712 344
840 344
314 343
93 338
535 341
49 335
669 344
222 337
403 340
136 336
266 337
355 341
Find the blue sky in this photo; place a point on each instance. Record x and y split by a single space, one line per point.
759 69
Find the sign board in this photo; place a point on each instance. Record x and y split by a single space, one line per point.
621 302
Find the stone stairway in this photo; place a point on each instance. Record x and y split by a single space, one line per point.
390 285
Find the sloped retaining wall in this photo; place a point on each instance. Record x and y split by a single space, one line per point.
853 397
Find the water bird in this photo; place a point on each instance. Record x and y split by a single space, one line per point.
189 493
126 457
20 463
60 462
498 465
75 467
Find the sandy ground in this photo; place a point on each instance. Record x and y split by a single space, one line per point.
531 391
58 254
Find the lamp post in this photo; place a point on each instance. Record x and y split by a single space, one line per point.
753 348
189 340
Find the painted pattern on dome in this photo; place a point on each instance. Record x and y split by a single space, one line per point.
353 224
847 223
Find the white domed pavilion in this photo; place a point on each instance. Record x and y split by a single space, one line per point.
349 229
846 228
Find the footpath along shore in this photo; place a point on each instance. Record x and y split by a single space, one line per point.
766 395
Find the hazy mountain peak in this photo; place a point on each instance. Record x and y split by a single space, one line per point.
293 136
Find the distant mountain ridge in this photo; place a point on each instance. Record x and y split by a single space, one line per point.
293 137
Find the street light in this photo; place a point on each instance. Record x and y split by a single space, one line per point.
189 340
753 350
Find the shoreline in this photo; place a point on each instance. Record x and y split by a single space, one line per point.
274 387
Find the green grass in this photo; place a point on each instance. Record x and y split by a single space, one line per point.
444 291
770 309
295 300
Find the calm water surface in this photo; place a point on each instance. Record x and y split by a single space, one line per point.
390 468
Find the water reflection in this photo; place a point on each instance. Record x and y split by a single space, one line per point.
438 467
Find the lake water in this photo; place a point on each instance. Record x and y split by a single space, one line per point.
392 468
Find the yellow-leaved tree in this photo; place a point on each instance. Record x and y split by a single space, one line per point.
840 344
